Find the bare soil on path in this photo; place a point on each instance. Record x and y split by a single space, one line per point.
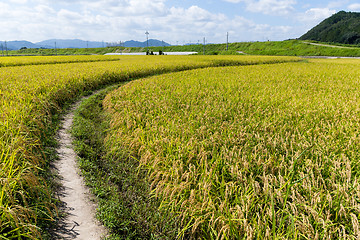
327 45
79 206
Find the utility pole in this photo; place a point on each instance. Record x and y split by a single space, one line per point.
204 46
55 49
227 41
2 49
7 54
147 41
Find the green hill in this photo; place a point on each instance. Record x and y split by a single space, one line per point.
342 27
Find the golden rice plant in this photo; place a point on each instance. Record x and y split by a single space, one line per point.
39 60
250 152
32 93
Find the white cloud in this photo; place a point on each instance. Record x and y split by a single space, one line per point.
128 7
70 16
354 7
44 9
115 20
315 15
269 7
337 4
18 1
272 7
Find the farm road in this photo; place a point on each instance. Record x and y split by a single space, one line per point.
326 45
80 222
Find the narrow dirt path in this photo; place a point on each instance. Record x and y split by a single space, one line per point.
327 45
80 222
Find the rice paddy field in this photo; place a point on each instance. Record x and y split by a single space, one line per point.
250 152
235 147
32 94
37 60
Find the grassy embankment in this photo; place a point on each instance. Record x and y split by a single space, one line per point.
278 48
268 151
31 98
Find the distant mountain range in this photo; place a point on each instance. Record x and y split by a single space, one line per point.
342 27
76 43
152 43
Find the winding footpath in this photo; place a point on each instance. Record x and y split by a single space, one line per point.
327 45
80 222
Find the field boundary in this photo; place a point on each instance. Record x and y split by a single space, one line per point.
328 45
3 65
78 204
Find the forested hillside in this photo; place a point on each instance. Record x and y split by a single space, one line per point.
342 27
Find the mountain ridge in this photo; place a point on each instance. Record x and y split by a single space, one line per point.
76 43
342 27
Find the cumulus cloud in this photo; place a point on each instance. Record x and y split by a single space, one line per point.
269 7
314 15
18 1
337 4
272 7
354 7
127 7
115 20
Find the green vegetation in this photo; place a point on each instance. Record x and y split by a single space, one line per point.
296 48
280 48
250 152
124 202
343 27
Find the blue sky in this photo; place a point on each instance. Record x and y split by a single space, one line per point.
176 22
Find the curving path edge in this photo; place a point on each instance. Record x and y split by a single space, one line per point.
80 222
